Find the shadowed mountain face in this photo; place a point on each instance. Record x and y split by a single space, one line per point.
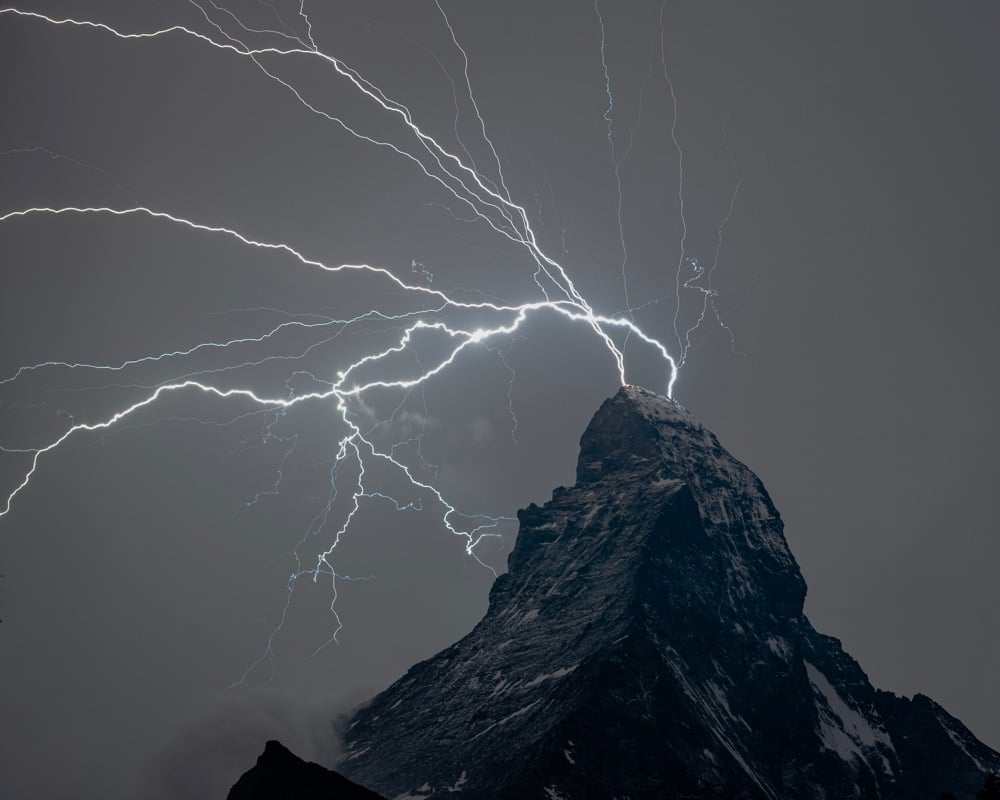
648 641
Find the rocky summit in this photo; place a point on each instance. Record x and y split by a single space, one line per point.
649 641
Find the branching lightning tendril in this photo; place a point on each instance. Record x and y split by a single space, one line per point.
486 198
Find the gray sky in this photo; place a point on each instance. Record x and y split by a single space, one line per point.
145 568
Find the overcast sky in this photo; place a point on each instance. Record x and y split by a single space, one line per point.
847 151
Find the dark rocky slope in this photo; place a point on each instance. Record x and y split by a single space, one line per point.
280 775
648 641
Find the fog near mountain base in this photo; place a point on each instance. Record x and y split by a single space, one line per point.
207 757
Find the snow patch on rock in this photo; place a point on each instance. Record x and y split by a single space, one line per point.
842 729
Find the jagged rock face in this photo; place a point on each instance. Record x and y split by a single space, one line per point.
648 641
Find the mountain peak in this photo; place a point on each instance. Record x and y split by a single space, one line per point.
648 640
280 773
623 434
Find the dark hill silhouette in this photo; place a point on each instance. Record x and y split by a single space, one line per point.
281 775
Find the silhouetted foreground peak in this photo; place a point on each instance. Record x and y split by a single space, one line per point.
281 775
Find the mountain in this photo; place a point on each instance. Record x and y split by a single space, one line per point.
280 774
649 641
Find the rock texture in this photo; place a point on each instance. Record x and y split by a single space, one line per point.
648 641
280 775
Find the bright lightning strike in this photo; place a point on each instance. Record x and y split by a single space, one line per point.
484 324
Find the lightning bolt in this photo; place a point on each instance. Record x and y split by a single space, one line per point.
709 294
616 163
680 176
457 326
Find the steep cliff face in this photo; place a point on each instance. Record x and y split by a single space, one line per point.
648 641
